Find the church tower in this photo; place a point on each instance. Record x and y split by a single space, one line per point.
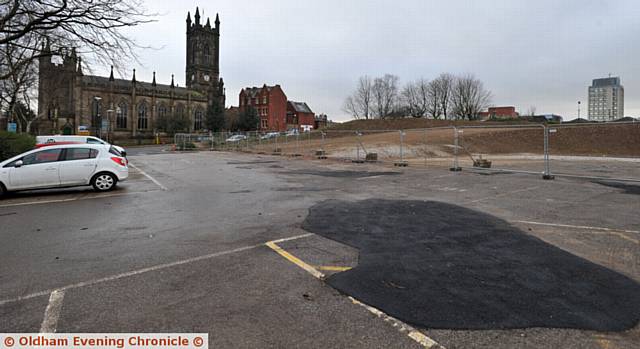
203 57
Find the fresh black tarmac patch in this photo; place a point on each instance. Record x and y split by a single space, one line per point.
344 174
627 188
443 266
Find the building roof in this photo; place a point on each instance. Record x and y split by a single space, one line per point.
122 83
255 91
301 107
604 82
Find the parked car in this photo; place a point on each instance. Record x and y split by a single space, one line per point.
101 166
236 138
43 141
269 135
293 132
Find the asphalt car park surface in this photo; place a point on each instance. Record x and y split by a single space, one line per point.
184 247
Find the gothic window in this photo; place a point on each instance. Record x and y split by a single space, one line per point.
143 122
197 120
162 111
207 54
121 115
180 111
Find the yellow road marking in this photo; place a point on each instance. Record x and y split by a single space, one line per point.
332 268
295 260
603 343
411 332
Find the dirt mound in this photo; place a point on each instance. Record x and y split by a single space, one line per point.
413 123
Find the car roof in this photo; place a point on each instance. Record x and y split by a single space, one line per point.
62 146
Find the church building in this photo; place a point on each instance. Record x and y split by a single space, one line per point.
69 100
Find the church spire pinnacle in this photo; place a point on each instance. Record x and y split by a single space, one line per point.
153 83
111 75
134 76
79 71
197 16
172 84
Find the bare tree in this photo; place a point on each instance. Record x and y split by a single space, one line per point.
17 90
94 27
385 95
434 106
359 104
415 98
469 97
440 93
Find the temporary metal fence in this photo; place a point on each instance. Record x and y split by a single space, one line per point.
607 151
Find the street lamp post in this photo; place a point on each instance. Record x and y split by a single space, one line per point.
109 119
98 117
579 109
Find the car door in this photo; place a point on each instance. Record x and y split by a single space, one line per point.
78 165
38 170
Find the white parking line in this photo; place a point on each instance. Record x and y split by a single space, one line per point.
414 334
151 178
66 200
502 194
579 227
52 313
144 270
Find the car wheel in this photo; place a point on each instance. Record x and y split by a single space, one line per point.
104 182
3 191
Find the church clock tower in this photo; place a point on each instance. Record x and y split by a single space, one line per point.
203 58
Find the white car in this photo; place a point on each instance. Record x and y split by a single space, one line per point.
270 135
236 138
101 166
76 139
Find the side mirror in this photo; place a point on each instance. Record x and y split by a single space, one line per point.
19 163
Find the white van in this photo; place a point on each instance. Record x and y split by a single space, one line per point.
76 139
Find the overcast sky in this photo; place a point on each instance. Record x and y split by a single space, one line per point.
540 53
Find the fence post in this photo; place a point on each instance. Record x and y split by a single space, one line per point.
424 140
547 167
358 146
297 143
401 145
456 166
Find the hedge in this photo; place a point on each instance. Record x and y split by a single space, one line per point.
12 144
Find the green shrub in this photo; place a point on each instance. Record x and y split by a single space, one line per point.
12 144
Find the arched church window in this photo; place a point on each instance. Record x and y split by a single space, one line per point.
180 111
121 115
197 120
143 121
162 111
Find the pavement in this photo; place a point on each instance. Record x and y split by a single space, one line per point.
216 242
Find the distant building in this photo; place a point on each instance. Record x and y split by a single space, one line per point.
300 116
500 113
68 99
320 121
544 118
276 112
606 99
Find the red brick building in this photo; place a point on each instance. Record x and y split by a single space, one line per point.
500 113
300 116
275 111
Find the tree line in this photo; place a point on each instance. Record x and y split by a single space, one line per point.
445 97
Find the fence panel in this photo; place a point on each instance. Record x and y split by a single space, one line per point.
512 148
598 151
